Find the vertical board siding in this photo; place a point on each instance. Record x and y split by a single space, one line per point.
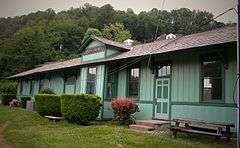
185 78
36 86
78 82
111 52
83 80
107 112
94 56
146 83
122 83
56 84
146 111
230 78
100 80
26 88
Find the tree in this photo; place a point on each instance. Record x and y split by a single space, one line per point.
105 16
92 32
116 32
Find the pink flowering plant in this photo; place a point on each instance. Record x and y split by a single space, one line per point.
123 109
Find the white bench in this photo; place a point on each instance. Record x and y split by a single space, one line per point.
53 118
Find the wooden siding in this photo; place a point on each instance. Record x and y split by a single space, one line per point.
83 80
122 80
185 78
56 83
230 77
25 88
111 51
146 83
94 56
36 86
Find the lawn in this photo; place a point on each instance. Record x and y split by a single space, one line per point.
25 129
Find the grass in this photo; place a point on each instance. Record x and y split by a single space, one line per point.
25 129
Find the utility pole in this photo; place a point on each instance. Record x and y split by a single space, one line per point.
238 74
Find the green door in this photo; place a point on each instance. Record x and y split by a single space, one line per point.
162 94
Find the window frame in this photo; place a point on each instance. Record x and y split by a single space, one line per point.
222 77
136 97
166 76
91 81
114 82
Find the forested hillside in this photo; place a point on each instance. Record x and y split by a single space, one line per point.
29 40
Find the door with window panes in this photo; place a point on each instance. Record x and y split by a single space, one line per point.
162 92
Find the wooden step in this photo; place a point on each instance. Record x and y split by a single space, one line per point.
141 127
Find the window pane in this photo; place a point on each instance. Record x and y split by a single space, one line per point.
134 74
212 89
91 79
133 88
212 69
91 74
133 81
163 71
90 88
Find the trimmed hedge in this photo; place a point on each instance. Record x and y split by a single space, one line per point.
24 101
47 91
80 108
7 98
48 104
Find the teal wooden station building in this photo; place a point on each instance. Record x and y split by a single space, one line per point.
190 76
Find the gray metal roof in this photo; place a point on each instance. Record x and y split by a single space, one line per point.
213 37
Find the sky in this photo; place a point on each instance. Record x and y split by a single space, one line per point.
10 8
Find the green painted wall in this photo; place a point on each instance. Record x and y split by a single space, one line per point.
94 56
25 88
100 80
111 51
56 83
146 83
230 77
94 44
146 111
36 86
107 112
122 79
78 81
185 78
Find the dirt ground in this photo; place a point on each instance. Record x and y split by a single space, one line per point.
3 142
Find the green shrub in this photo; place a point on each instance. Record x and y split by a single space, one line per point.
24 101
80 108
8 87
7 98
47 91
48 104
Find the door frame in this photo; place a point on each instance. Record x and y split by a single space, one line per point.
170 91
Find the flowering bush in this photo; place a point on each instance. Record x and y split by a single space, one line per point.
123 109
15 103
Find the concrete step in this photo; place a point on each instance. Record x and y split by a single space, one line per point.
152 123
141 127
